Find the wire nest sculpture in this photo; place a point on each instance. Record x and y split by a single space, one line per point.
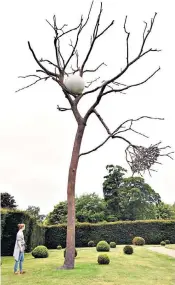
141 158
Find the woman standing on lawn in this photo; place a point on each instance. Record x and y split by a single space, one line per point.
19 250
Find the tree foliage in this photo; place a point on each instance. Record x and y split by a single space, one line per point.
165 211
128 198
34 212
125 198
8 201
58 215
89 208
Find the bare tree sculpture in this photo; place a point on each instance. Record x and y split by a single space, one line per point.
138 157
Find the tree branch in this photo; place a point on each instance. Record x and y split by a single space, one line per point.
133 85
91 82
77 60
94 38
57 45
57 55
102 121
96 148
148 32
61 29
88 70
27 76
93 70
62 109
129 63
127 41
118 130
81 26
48 72
48 61
131 121
150 50
93 90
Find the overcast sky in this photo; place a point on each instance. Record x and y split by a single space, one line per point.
36 140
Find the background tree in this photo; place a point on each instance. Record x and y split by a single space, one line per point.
128 198
8 201
173 209
35 213
111 185
58 215
137 198
131 199
164 211
89 208
139 158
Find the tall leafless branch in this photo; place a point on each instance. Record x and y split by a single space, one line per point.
91 82
116 77
81 27
102 122
33 83
120 129
94 70
147 32
94 38
61 29
48 72
48 61
95 148
132 85
127 41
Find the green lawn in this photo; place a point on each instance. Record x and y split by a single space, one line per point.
143 267
171 246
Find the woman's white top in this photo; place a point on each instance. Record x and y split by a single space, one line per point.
19 245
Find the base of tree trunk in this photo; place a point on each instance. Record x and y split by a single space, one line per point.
65 267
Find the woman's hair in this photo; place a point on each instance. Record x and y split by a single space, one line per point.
20 226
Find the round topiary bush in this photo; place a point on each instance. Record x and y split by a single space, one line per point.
167 241
75 253
112 244
163 243
128 249
103 246
59 247
103 259
91 243
138 241
40 252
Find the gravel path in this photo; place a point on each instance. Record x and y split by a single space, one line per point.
163 250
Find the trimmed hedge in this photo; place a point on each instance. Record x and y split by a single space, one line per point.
40 252
103 259
91 243
128 249
34 234
153 231
112 244
102 246
138 241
